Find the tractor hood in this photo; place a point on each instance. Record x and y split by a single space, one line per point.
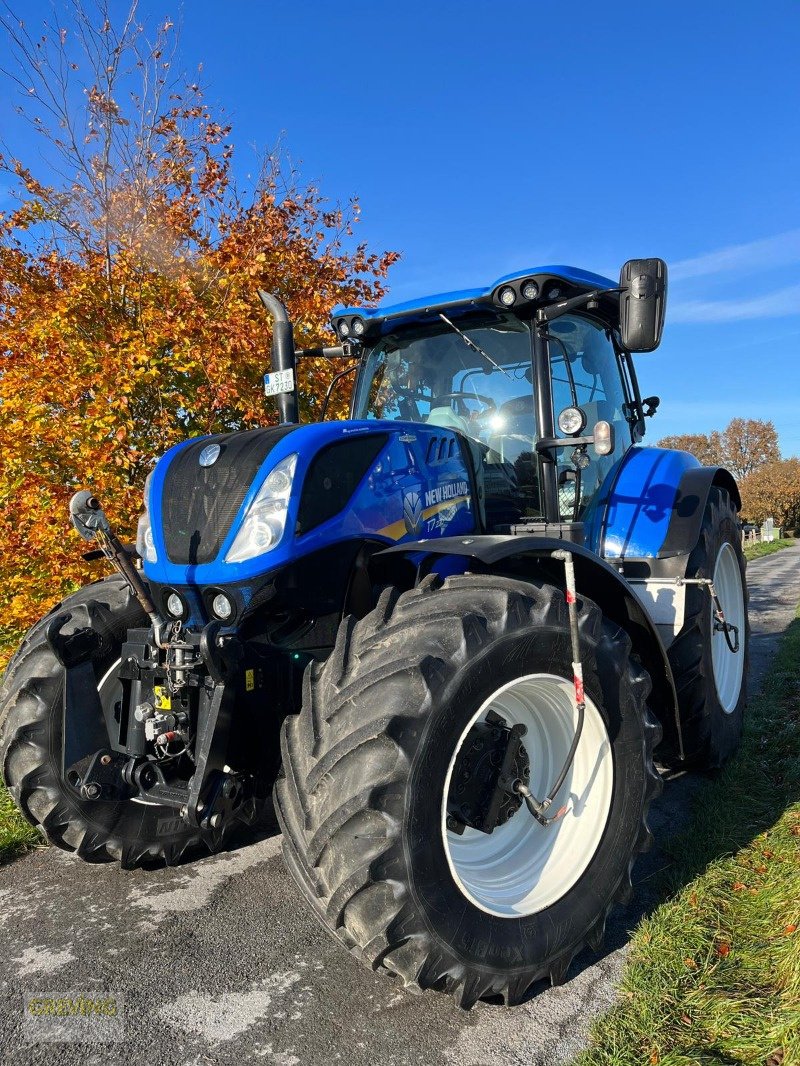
337 481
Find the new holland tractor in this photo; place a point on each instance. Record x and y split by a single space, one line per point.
443 639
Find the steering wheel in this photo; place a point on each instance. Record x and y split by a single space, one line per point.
487 401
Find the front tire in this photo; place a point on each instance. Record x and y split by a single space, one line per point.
134 833
368 767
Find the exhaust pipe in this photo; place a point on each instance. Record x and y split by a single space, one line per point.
282 354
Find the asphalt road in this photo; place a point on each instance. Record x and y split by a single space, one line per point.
219 961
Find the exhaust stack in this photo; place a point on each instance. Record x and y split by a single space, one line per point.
282 354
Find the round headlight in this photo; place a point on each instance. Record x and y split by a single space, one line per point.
571 421
530 290
507 296
222 606
344 329
358 326
175 605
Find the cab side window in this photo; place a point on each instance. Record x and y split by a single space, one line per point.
586 374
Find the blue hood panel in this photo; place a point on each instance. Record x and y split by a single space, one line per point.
418 486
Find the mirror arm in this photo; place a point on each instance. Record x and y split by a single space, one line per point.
346 350
563 307
548 443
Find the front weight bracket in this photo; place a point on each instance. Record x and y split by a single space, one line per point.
84 728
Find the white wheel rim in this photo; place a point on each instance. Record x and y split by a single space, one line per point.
728 665
523 867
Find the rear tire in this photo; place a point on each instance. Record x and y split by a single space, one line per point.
711 681
366 765
134 833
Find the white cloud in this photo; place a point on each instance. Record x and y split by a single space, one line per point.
767 253
777 304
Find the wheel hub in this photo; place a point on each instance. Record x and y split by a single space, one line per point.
491 762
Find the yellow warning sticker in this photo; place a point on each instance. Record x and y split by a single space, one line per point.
162 698
249 680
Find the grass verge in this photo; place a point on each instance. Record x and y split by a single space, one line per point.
16 835
713 975
755 551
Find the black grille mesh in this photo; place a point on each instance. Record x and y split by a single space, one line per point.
199 503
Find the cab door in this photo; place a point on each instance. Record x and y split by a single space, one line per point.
586 372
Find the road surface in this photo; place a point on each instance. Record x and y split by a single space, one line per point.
219 961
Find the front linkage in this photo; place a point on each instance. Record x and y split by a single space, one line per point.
166 737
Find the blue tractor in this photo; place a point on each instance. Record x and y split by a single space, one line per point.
444 639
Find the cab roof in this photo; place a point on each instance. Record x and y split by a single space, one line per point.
569 281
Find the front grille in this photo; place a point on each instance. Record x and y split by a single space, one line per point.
199 503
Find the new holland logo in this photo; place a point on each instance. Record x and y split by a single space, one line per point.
412 512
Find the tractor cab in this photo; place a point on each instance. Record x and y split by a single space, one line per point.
533 374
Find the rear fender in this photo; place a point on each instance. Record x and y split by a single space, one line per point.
651 505
647 519
530 558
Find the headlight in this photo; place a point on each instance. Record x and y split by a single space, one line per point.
265 519
571 421
222 606
145 545
507 296
175 605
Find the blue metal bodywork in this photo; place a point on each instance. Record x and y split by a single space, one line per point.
631 513
418 487
585 279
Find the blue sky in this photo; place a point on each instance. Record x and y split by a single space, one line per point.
485 137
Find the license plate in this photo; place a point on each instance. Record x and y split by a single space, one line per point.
279 381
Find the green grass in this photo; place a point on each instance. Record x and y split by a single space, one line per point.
755 551
713 974
16 835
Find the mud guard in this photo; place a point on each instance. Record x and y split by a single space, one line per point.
651 505
527 557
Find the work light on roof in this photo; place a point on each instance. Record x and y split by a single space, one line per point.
507 296
530 290
344 328
358 326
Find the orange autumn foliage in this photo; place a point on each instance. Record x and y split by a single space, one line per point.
128 309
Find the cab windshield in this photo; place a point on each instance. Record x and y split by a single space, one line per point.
434 376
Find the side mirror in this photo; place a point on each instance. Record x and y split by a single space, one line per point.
642 303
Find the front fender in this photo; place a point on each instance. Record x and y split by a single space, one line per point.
531 557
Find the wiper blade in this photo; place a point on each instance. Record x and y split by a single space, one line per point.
470 343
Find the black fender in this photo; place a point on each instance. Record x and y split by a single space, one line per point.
404 565
690 503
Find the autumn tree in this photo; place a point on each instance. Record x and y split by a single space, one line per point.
773 490
743 446
748 443
128 277
703 446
